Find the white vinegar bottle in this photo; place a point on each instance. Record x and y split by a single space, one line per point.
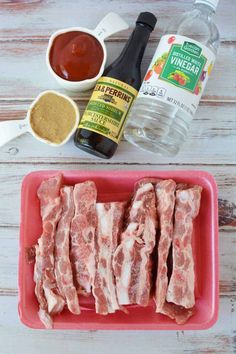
160 117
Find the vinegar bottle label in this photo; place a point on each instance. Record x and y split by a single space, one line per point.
178 73
108 107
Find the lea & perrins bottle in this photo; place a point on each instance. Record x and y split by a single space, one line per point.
101 126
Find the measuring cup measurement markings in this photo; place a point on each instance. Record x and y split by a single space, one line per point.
12 129
110 24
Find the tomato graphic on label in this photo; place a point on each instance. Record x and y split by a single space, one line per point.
171 39
175 77
178 76
198 88
148 75
159 63
182 81
158 68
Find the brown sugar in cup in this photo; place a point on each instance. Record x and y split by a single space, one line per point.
53 118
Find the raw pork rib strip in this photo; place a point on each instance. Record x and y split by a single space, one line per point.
63 270
132 262
50 302
178 313
146 180
82 235
181 287
165 193
110 217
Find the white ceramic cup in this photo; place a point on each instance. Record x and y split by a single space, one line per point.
14 128
109 25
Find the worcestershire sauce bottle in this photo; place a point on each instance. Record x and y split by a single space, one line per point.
101 126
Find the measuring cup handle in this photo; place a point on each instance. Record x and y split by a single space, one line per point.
109 25
11 129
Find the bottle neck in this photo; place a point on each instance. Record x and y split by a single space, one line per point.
135 47
204 8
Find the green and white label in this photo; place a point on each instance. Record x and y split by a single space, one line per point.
183 68
108 107
178 72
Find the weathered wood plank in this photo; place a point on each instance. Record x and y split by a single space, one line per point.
30 19
9 237
11 177
227 251
227 213
9 250
219 339
25 73
211 140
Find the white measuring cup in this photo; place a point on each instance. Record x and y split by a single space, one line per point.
14 128
110 24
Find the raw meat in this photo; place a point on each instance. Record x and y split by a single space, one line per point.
82 235
110 217
146 180
132 261
178 313
46 291
30 253
63 270
181 287
165 193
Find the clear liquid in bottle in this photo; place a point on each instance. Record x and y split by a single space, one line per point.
160 117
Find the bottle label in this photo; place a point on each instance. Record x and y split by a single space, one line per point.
178 73
108 107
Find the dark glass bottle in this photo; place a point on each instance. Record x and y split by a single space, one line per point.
102 124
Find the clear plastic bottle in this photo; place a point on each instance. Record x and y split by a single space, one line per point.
160 117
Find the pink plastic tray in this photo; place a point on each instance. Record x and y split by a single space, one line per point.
118 185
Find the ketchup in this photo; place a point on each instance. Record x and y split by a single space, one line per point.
76 56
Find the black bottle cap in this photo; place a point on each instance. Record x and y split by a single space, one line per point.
147 18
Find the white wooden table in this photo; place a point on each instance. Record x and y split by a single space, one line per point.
25 29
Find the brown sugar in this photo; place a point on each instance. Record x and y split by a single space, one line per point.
52 118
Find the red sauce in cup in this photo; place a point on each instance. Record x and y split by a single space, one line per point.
76 56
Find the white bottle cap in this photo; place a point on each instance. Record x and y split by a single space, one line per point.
212 3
